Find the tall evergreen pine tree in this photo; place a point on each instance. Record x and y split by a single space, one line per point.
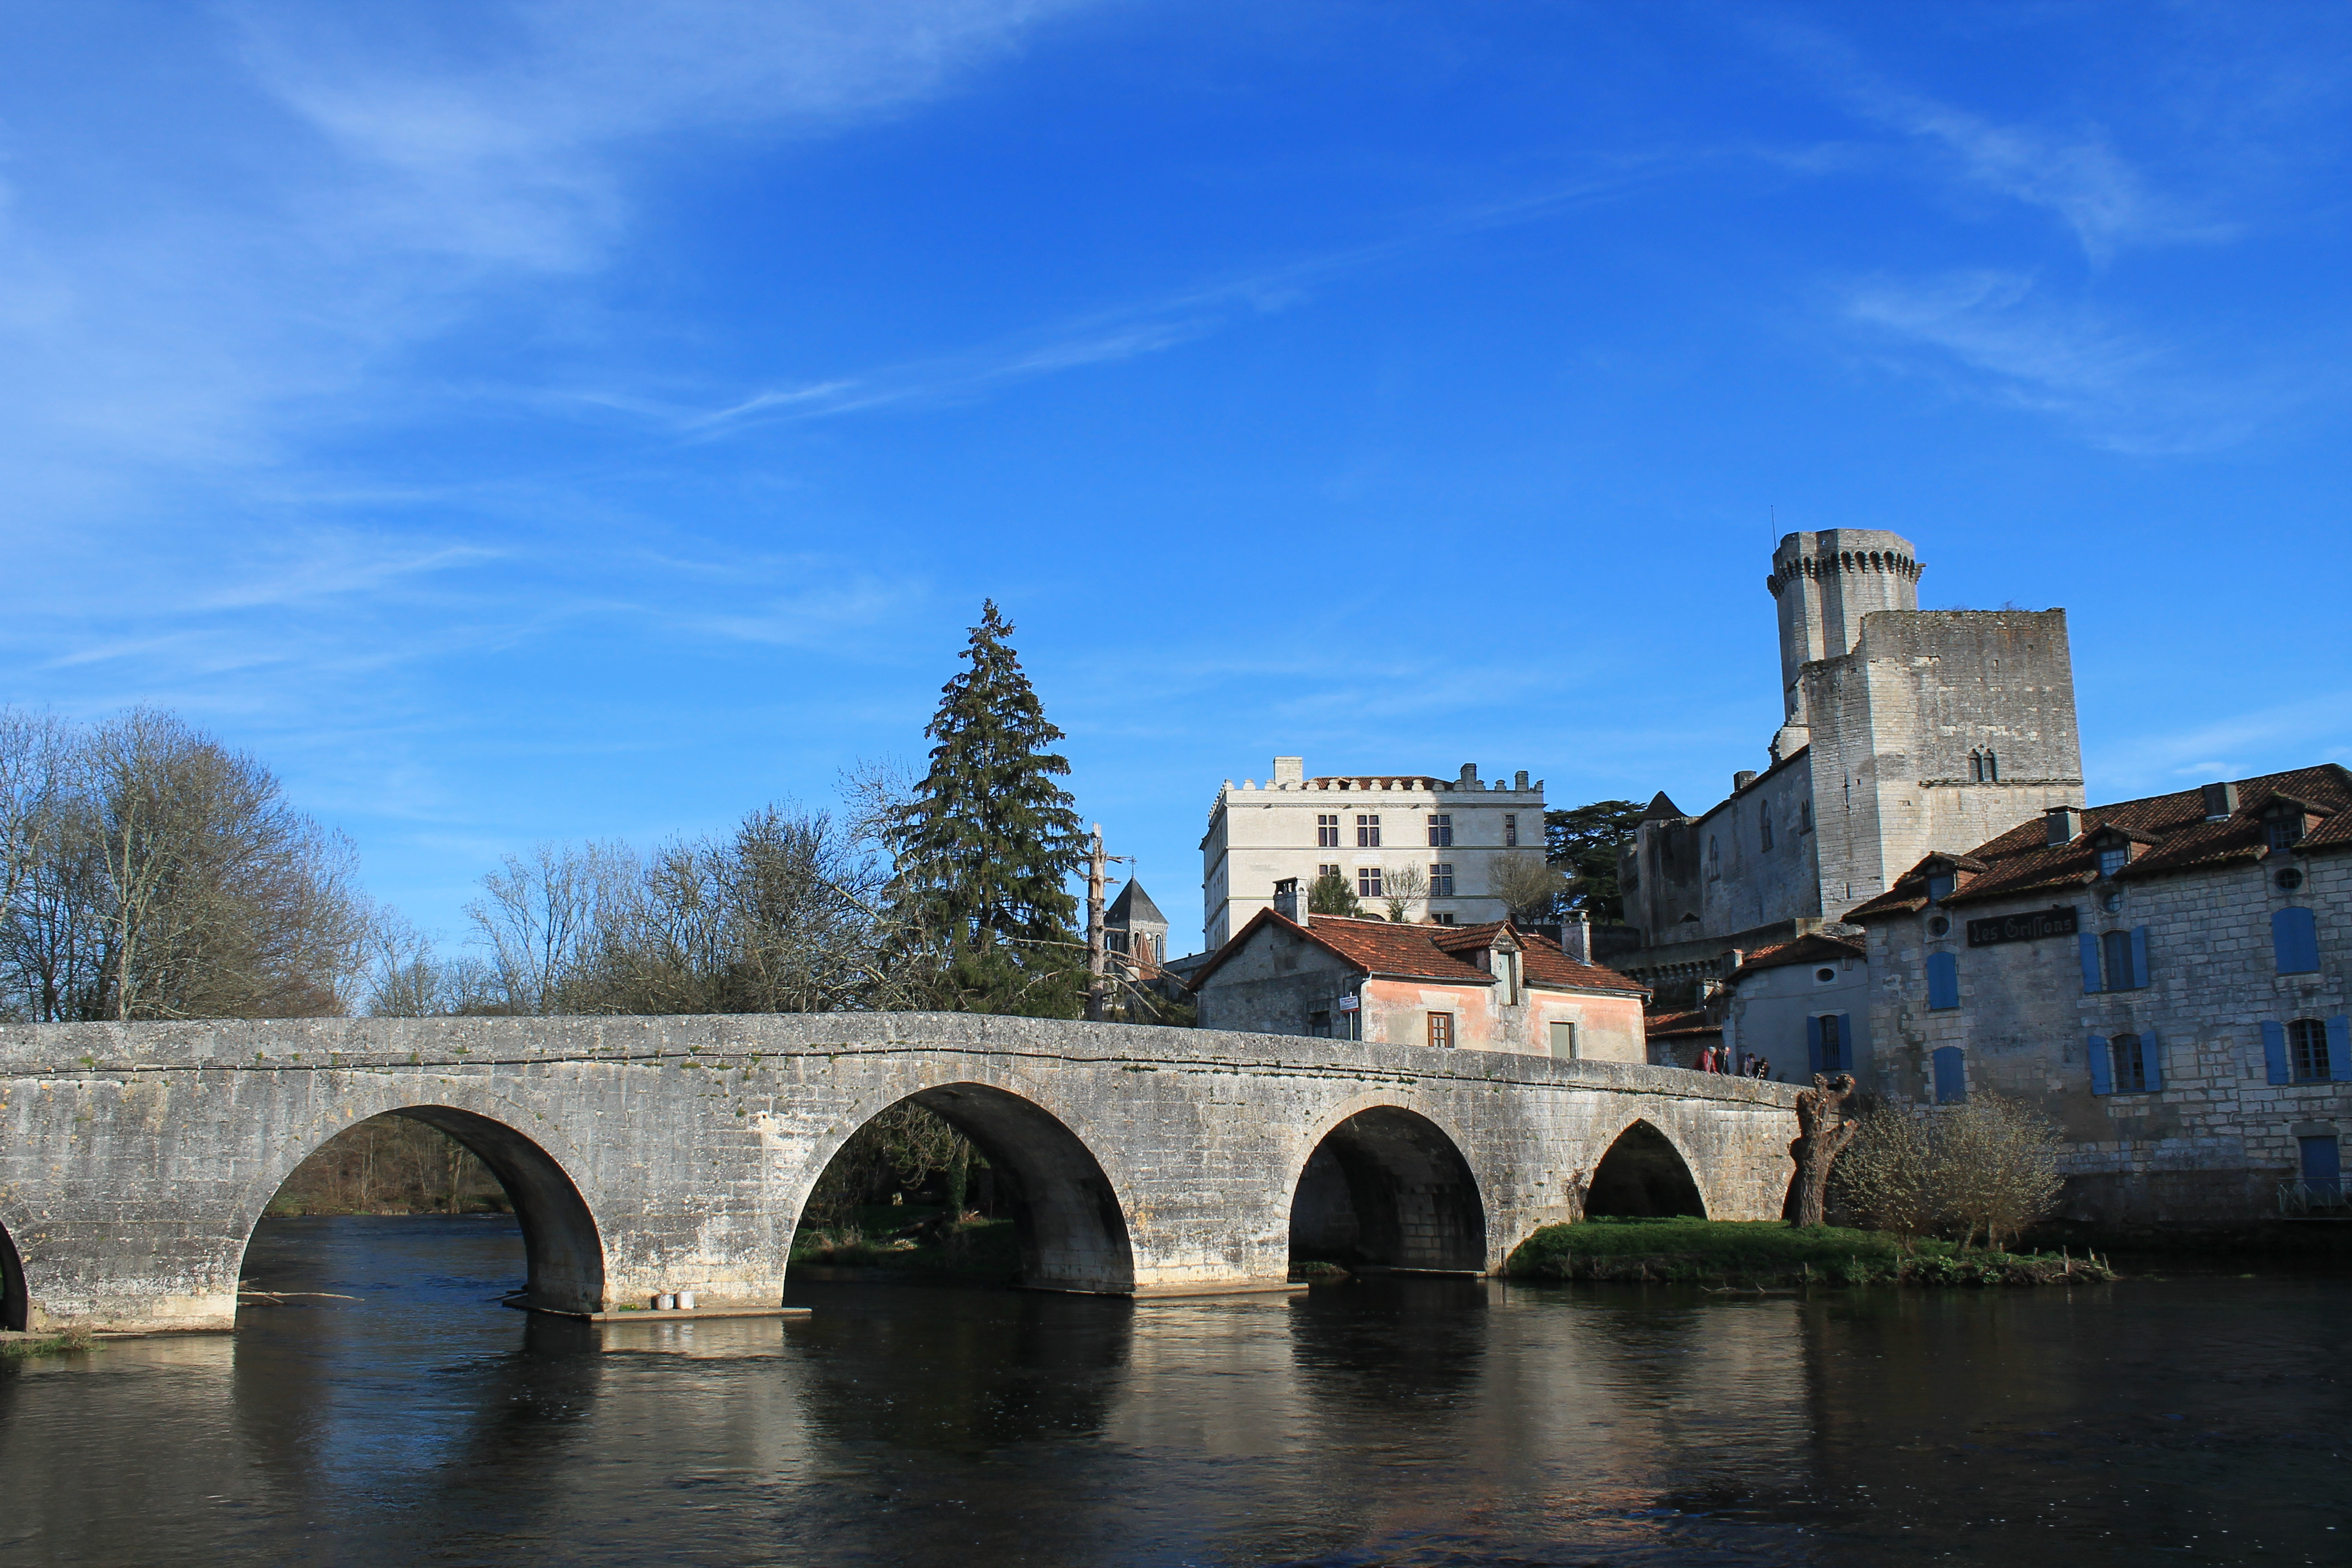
985 846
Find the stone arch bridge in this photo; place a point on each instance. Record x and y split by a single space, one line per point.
644 1155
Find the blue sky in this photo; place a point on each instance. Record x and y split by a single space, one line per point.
545 421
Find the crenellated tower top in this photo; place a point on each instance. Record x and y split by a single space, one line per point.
1824 583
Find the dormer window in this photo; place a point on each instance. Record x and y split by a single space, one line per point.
2281 834
1939 886
2113 858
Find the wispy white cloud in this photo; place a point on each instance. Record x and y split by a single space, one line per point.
492 132
372 178
1997 335
2071 170
2313 729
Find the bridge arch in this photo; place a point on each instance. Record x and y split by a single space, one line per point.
1387 1186
562 1246
1072 1225
14 1306
1643 1174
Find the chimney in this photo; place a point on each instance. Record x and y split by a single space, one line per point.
2220 801
1519 781
1576 937
1286 900
1742 779
1469 775
2062 824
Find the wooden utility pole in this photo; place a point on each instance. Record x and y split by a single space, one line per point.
1097 955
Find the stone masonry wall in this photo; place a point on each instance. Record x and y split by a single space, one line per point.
2212 1145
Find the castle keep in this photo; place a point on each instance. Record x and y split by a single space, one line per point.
1904 730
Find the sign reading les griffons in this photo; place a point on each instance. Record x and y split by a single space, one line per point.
2056 921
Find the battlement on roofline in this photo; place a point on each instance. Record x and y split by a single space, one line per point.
1289 777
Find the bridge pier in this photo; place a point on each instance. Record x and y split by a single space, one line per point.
650 1155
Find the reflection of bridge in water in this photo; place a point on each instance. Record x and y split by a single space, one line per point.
644 1155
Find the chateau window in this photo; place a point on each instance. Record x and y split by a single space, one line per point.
1765 824
1992 767
1441 880
1828 1039
1115 941
1369 883
2129 1056
2306 1044
1510 830
1442 916
2113 859
1318 1025
1323 872
1441 829
1563 1042
1327 830
1441 1030
1368 832
1804 817
1975 767
1714 856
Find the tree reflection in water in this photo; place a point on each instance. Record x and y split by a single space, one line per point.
1400 1421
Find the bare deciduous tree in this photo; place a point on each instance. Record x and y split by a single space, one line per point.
1527 884
1999 1168
153 873
1404 887
1888 1175
1988 1167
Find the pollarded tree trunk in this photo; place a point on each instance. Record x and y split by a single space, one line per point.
1822 1134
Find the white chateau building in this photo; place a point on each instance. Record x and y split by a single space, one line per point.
1455 833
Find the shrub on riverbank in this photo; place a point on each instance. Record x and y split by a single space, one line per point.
66 1342
1766 1252
977 1251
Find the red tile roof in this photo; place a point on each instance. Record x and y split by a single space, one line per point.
1678 1025
1812 948
2173 827
1543 963
1431 952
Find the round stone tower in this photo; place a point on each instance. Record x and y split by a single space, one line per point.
1825 582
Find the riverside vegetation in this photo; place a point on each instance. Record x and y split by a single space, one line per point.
1925 1182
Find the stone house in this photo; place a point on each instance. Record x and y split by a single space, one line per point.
1489 987
1453 834
1803 1006
2169 979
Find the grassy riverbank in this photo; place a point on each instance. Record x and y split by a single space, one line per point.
1766 1252
914 1243
66 1342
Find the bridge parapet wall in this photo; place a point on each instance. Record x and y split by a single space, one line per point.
135 1159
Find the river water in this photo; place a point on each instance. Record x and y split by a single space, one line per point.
400 1415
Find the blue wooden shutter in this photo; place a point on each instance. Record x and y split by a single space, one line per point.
1813 1045
2151 1060
2090 944
2274 1051
1951 1077
2102 1080
1943 980
2339 1048
2139 957
2294 933
1846 1061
